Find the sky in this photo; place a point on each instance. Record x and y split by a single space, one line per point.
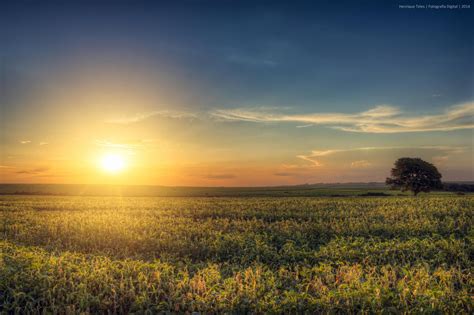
233 93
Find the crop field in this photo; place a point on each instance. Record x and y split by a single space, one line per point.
395 254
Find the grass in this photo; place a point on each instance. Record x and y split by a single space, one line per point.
394 254
316 190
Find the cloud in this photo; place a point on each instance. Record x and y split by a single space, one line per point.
305 126
138 117
251 61
284 174
43 143
316 154
110 144
126 145
360 164
220 176
25 141
35 171
380 119
314 162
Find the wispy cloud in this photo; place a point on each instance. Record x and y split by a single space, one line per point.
312 159
304 126
138 117
360 164
220 176
315 155
35 171
25 141
129 147
380 119
285 174
43 143
251 61
123 145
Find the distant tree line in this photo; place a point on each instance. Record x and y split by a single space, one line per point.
416 175
458 187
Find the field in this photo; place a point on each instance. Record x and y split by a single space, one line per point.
317 190
397 254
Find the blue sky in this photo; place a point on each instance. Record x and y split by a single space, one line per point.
304 76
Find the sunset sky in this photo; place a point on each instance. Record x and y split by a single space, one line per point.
230 93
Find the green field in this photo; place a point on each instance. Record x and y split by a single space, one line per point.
313 190
398 254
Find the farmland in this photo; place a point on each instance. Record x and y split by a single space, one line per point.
73 254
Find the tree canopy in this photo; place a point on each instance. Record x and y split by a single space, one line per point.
414 174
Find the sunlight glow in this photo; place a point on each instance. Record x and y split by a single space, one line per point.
112 163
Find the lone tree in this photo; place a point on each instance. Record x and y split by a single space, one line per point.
414 174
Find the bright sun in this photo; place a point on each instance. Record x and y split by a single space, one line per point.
112 163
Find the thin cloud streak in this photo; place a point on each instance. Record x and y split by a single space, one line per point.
252 61
220 176
311 159
284 174
360 164
380 119
316 154
138 117
130 147
36 171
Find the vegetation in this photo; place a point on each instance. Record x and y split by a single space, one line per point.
236 255
415 175
308 190
346 189
458 187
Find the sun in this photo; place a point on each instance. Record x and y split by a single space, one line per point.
112 163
